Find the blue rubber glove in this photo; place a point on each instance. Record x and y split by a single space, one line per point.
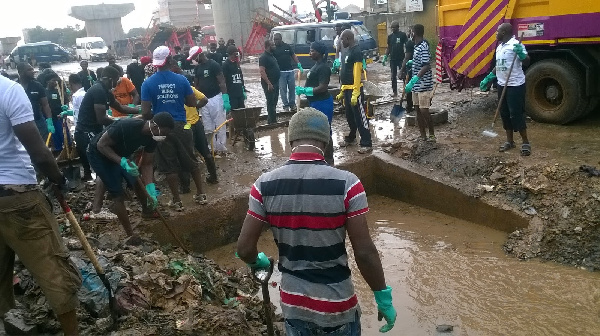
484 85
130 168
153 201
385 308
300 67
244 93
520 51
411 83
262 261
50 126
409 64
226 103
385 57
66 113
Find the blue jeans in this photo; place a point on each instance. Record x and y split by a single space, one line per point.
303 328
287 88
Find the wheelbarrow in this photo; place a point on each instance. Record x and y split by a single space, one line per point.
244 122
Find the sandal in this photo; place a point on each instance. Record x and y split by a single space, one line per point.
506 146
525 149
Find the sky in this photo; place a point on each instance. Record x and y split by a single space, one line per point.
54 13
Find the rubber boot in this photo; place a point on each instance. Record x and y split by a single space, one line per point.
212 170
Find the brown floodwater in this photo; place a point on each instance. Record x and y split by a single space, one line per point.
445 270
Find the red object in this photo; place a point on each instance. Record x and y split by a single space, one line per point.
274 284
145 60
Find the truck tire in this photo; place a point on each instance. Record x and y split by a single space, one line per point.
555 92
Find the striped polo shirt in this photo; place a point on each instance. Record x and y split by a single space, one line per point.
307 202
422 57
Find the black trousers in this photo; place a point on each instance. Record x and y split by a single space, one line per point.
236 102
512 110
272 99
395 66
357 119
82 141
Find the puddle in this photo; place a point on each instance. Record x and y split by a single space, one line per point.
449 271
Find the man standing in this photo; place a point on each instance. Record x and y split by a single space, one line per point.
395 52
222 49
234 78
29 228
112 61
269 79
166 91
76 99
287 80
37 96
135 72
353 95
421 84
88 77
58 103
317 89
209 80
337 45
126 94
317 295
406 71
512 109
109 154
213 54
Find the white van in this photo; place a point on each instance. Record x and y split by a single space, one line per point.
91 48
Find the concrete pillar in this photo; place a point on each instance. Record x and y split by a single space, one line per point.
103 20
7 44
234 18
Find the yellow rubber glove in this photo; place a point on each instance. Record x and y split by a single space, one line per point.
340 96
187 126
355 95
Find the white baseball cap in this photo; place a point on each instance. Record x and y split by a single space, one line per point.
193 52
159 56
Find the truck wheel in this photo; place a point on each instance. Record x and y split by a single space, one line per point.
64 59
555 92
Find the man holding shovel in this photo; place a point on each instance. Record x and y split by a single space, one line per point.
28 227
310 207
512 107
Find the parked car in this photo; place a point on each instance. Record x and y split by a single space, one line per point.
40 52
91 48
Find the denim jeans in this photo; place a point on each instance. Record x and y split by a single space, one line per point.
287 88
303 328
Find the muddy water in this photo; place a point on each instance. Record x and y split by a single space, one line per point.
448 271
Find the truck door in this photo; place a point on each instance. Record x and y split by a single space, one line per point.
303 40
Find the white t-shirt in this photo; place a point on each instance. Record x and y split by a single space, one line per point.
15 109
76 100
504 57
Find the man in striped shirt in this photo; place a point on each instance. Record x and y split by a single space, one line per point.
310 207
421 84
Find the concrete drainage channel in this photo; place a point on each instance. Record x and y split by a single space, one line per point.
207 228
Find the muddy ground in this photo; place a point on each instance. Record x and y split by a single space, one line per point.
163 291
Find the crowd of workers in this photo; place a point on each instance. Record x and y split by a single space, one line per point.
126 128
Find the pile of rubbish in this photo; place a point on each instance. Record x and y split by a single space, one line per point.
159 290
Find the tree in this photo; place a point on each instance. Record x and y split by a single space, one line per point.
135 32
63 36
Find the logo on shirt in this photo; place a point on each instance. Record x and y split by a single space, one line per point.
168 94
206 73
398 40
236 79
346 59
54 96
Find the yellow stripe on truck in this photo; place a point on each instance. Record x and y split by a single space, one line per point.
477 53
476 24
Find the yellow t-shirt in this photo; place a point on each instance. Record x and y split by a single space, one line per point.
191 113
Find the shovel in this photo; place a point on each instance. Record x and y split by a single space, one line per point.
90 254
263 277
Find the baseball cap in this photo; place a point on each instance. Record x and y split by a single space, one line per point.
193 52
159 56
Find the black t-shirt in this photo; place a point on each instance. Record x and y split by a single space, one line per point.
410 47
54 102
269 62
188 70
97 94
85 80
136 74
207 73
319 73
118 67
223 51
35 92
353 55
127 136
396 43
284 56
234 79
217 57
179 57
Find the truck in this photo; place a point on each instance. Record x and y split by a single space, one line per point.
91 48
561 37
44 51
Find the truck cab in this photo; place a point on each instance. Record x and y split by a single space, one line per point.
91 48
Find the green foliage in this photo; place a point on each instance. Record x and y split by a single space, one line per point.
63 36
135 32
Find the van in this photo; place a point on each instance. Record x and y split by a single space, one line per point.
45 51
91 49
301 35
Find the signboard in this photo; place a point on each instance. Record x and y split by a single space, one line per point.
414 5
530 29
382 2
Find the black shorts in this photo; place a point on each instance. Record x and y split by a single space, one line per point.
236 102
512 110
111 173
176 153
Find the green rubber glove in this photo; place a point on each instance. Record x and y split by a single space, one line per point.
385 57
385 308
153 201
519 49
68 91
91 80
244 93
262 261
364 64
411 83
65 108
300 67
336 65
308 91
226 103
130 168
66 113
50 126
109 112
299 90
484 85
409 64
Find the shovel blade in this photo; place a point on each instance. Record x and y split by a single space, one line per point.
489 133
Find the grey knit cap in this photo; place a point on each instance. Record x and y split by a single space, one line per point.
309 123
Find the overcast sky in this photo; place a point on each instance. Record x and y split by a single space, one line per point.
53 13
